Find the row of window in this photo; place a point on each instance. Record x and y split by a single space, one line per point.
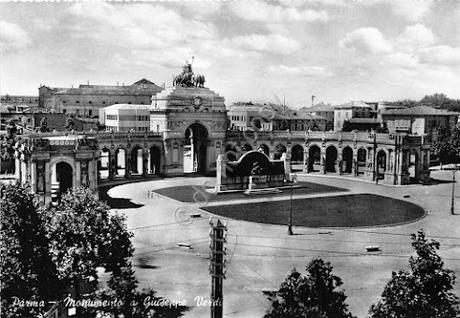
238 118
111 117
103 102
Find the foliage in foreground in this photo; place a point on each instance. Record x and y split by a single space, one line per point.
426 291
315 295
47 253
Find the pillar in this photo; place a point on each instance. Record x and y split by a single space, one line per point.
48 173
323 159
33 177
145 162
127 164
77 174
306 161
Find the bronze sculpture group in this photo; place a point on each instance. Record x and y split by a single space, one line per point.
187 78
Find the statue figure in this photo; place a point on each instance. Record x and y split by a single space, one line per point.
187 77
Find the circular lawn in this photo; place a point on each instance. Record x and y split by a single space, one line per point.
333 211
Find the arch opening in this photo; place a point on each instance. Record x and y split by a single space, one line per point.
154 160
361 160
195 149
331 159
136 161
314 159
64 179
279 150
119 163
347 157
297 158
381 164
104 164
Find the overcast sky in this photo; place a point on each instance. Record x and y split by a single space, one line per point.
248 50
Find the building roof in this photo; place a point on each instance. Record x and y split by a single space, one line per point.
422 110
127 106
133 89
353 104
320 107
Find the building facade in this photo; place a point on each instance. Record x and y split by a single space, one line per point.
419 120
126 117
361 114
86 100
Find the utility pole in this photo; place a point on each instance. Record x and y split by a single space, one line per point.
218 235
452 206
292 179
290 216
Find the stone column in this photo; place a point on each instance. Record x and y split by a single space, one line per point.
323 160
127 164
33 177
306 161
47 182
145 162
77 174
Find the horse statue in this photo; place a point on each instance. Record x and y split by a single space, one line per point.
198 80
187 77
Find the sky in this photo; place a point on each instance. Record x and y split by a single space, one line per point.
266 51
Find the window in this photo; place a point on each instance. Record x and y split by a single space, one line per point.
78 102
90 112
64 101
64 111
103 102
90 102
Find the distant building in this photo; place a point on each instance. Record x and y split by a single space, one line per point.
323 110
271 117
86 100
24 100
126 117
419 120
357 115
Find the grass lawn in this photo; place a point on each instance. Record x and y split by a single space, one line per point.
185 193
336 211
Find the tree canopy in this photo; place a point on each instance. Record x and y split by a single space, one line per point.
50 252
313 296
425 291
447 146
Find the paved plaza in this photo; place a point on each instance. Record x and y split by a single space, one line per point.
260 256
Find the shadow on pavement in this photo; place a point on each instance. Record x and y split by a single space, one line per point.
116 203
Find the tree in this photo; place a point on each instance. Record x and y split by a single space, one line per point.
423 292
312 296
84 235
447 146
26 269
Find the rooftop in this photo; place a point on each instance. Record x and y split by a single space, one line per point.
127 106
353 104
420 111
320 107
140 87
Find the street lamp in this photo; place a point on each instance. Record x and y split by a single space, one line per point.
292 179
452 206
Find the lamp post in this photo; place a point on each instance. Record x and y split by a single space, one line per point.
292 179
452 206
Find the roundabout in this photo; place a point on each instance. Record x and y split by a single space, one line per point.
358 210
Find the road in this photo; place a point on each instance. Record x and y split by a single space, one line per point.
260 256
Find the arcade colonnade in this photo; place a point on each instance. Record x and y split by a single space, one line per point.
393 159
